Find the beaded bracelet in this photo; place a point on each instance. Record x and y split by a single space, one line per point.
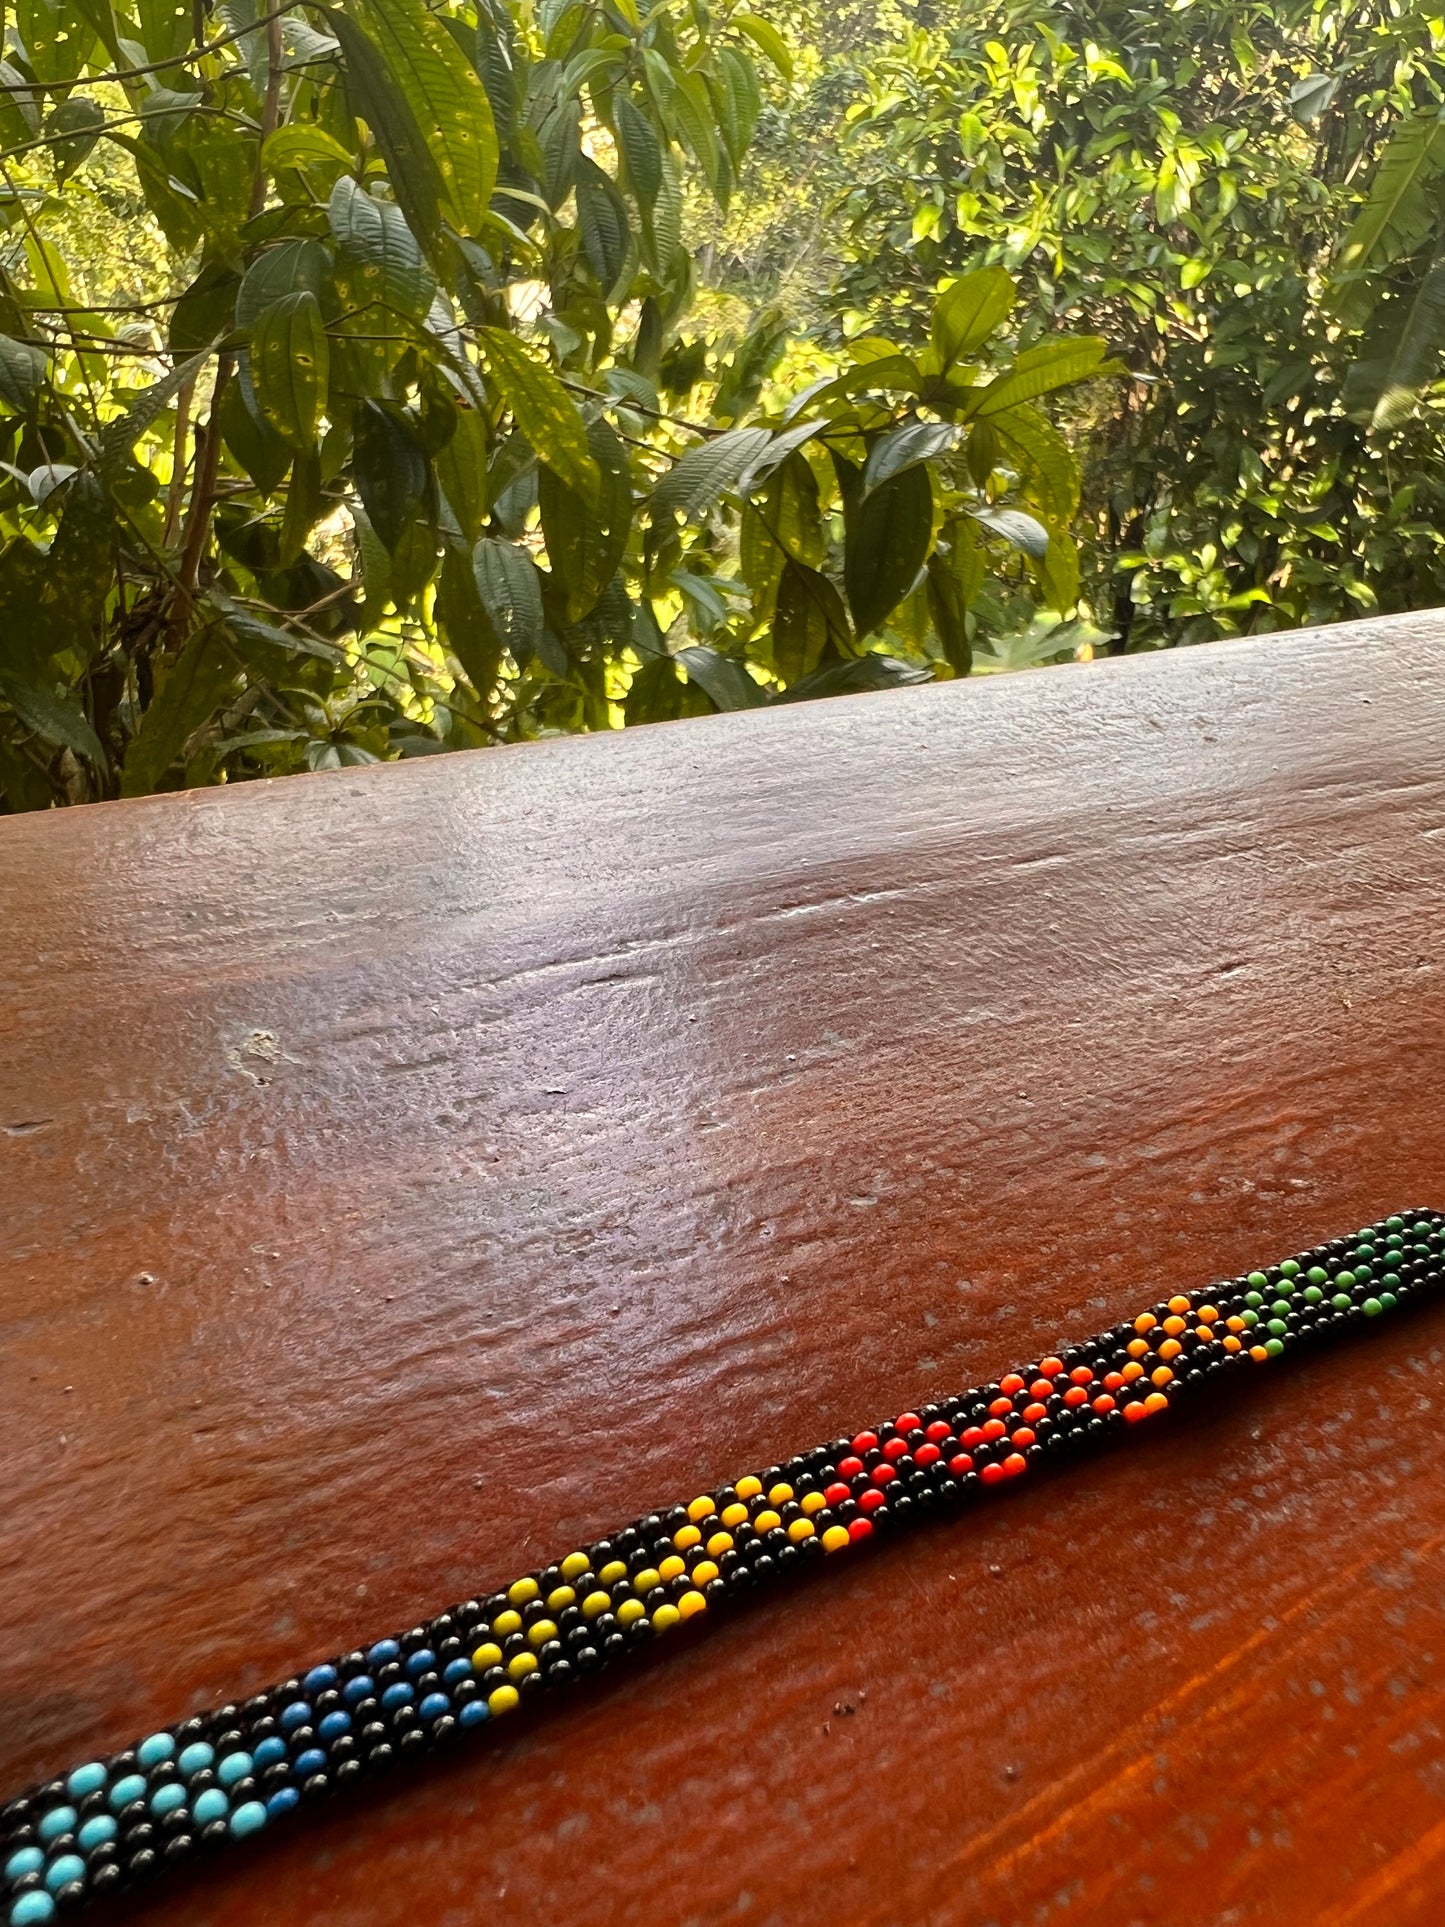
109 1825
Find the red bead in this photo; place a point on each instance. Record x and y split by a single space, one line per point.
1013 1383
865 1442
907 1422
1135 1411
959 1464
1024 1436
1103 1403
870 1500
1033 1413
1014 1464
938 1431
836 1494
883 1474
1051 1367
1113 1380
1040 1388
860 1529
975 1435
927 1455
1000 1407
849 1468
1081 1375
895 1449
1076 1395
994 1428
992 1473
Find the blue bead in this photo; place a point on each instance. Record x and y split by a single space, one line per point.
384 1652
167 1798
160 1746
97 1831
313 1760
270 1751
61 1872
420 1663
25 1860
298 1713
358 1689
85 1779
211 1805
400 1693
196 1758
475 1713
458 1670
333 1726
132 1787
248 1819
434 1705
282 1801
59 1820
319 1678
30 1908
235 1766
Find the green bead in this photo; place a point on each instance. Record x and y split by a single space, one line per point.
1394 1224
1316 1275
1249 1319
1422 1229
1388 1300
1313 1294
1274 1346
1253 1300
1289 1269
1258 1280
1392 1280
1365 1251
1341 1301
1372 1308
1344 1279
1278 1327
1363 1271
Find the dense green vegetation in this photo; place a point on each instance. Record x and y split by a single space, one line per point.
382 378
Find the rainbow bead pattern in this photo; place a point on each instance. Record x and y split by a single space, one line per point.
110 1825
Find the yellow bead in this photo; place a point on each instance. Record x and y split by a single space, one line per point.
1208 1314
665 1618
574 1565
736 1515
645 1580
502 1699
766 1520
1156 1402
629 1610
594 1603
702 1573
812 1502
701 1509
486 1656
780 1495
522 1591
691 1604
560 1598
747 1488
1171 1348
1145 1322
835 1538
506 1624
541 1632
1138 1347
719 1543
614 1570
670 1568
686 1537
1180 1304
1173 1325
800 1530
1132 1371
520 1664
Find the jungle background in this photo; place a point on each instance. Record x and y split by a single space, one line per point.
383 378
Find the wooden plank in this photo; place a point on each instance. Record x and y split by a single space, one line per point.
411 1172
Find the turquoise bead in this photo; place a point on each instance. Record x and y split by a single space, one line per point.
160 1746
167 1798
30 1908
89 1778
96 1831
247 1819
59 1820
196 1758
235 1766
25 1860
211 1805
132 1787
61 1872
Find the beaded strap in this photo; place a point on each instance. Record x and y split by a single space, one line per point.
109 1825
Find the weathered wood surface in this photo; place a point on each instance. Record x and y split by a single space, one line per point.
409 1173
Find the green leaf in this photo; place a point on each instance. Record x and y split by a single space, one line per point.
198 683
810 615
411 166
511 593
692 112
887 539
901 448
120 435
207 309
542 410
250 438
463 623
884 374
586 545
1308 98
1021 530
391 471
59 719
1043 460
968 311
292 268
640 148
461 470
723 680
1057 572
955 576
24 371
766 38
1400 212
693 484
1416 355
447 101
1059 363
72 129
305 146
779 524
737 102
864 675
602 220
291 366
52 602
374 238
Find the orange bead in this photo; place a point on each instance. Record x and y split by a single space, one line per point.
1204 1335
1208 1314
1161 1377
1138 1348
1171 1348
1103 1403
1145 1322
1258 1353
1013 1383
1040 1388
1233 1344
1174 1326
1076 1395
1156 1402
1051 1367
1135 1411
1179 1304
1132 1371
1113 1381
1236 1325
1033 1413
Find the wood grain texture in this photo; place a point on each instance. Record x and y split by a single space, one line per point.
409 1173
